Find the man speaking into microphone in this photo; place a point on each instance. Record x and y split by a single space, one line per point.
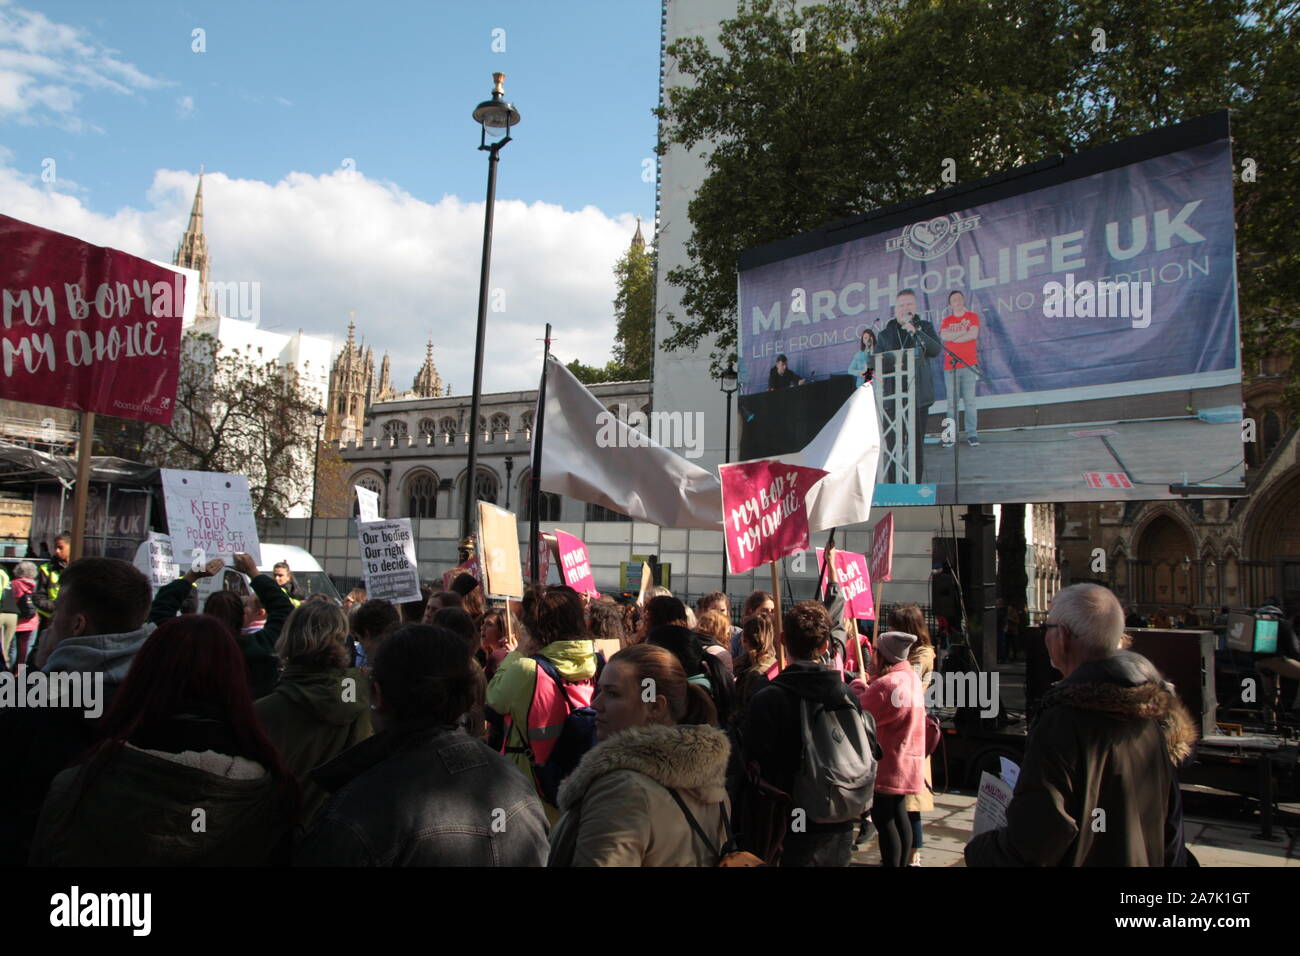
906 331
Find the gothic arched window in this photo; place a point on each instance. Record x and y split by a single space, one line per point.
486 486
371 483
422 495
395 429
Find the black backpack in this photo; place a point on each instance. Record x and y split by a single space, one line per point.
577 736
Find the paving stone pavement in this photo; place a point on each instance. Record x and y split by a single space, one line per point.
1215 842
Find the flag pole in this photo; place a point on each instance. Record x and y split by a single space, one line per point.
821 572
875 629
79 494
835 579
776 612
535 480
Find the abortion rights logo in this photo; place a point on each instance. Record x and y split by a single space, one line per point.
933 237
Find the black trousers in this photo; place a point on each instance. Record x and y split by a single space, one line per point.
889 814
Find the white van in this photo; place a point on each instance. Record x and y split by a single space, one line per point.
311 577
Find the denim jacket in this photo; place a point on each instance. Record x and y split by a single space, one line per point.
425 794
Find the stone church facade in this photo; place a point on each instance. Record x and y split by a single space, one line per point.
1240 552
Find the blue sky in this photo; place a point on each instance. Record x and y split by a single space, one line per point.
286 93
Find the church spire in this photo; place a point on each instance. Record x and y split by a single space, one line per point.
428 383
192 253
385 380
638 240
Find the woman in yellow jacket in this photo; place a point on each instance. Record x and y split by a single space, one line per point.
557 630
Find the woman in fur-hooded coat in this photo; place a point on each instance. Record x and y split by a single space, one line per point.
618 804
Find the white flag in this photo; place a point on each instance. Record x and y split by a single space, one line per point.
589 455
633 475
848 446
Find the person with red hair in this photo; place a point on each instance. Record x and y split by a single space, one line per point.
182 773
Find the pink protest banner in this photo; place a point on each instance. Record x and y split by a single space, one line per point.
544 547
575 566
854 582
86 327
882 549
763 511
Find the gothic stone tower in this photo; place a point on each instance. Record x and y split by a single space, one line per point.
192 253
352 389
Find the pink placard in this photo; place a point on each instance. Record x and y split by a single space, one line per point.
882 549
543 560
575 566
86 327
764 515
854 581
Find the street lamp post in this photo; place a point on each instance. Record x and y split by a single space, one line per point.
728 387
510 467
388 473
495 118
319 414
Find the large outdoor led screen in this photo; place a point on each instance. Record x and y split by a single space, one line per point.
1083 308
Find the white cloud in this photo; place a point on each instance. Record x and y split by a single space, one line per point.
324 246
185 105
44 66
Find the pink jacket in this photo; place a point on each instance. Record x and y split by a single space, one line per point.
897 701
23 587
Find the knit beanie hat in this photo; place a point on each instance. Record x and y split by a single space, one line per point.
894 646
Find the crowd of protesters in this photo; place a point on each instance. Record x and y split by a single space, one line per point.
266 728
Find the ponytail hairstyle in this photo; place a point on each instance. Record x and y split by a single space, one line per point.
687 703
714 626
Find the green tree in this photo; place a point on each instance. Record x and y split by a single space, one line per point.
236 412
634 312
823 113
593 375
634 309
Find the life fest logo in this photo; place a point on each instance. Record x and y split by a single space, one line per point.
931 238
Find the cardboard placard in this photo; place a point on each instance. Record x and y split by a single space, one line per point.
498 538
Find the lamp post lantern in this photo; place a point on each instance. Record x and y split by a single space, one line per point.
730 383
319 414
496 118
